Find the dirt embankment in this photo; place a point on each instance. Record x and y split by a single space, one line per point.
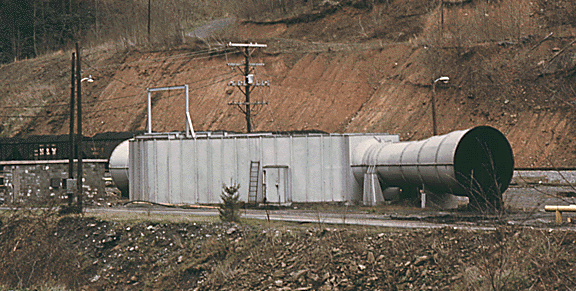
92 254
348 69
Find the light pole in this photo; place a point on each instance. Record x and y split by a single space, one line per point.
79 132
69 189
444 79
75 146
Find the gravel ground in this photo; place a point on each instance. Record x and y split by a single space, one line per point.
223 256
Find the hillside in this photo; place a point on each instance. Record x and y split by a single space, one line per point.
340 68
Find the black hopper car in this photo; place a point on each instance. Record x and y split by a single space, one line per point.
57 147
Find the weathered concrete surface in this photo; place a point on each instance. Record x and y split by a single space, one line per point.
531 190
43 179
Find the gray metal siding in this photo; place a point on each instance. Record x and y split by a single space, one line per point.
299 167
192 171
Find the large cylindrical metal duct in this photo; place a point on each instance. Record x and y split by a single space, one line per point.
118 166
473 162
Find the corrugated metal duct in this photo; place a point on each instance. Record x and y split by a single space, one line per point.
170 168
473 162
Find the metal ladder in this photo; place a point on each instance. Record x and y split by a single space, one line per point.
254 179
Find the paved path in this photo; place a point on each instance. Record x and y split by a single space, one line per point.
212 27
533 198
301 216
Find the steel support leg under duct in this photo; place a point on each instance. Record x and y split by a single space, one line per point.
372 190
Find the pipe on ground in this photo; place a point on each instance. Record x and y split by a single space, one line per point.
476 162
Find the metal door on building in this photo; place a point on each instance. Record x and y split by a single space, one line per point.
276 185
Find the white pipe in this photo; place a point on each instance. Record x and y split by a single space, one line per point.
187 114
552 208
190 125
149 111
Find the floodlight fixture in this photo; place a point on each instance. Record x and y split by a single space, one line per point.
89 79
444 79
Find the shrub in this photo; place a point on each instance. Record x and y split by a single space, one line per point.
231 203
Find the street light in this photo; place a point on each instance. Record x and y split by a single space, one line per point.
444 79
70 182
79 128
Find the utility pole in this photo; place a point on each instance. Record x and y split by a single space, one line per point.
149 8
442 16
79 126
248 84
71 137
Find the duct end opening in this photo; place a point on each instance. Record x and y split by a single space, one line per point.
484 165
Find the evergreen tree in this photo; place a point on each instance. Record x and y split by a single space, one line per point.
231 203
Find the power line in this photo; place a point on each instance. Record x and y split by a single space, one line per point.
327 80
93 68
162 60
115 99
128 96
220 51
115 108
162 98
31 116
106 100
196 53
207 53
62 104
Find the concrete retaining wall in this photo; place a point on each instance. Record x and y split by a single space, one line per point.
24 180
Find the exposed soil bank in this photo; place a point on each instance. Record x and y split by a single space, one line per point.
348 69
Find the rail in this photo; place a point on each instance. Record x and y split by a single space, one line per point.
559 209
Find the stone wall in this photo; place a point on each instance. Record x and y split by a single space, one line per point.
40 180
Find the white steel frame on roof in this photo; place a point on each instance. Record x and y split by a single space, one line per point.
189 128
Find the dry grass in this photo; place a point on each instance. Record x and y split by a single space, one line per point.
30 256
40 250
469 25
125 23
129 217
482 21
